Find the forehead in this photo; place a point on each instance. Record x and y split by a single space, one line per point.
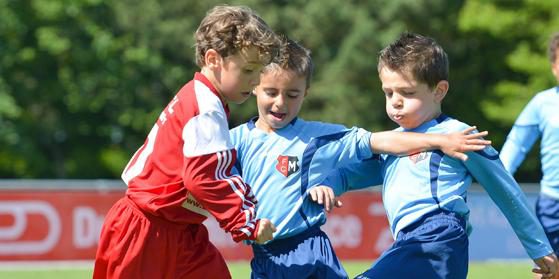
279 77
396 78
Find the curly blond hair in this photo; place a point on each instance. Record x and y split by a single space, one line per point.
228 29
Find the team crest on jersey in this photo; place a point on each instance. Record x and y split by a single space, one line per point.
287 165
418 157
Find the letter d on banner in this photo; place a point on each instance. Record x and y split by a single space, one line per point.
20 210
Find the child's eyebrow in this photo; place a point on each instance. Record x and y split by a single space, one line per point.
399 88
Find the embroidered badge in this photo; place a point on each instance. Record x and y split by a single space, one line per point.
287 165
417 157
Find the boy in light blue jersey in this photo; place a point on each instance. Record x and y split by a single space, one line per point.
283 157
540 119
424 194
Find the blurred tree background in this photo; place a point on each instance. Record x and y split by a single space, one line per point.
83 81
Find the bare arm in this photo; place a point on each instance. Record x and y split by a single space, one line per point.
453 144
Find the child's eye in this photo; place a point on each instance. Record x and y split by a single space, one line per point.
409 93
248 71
270 93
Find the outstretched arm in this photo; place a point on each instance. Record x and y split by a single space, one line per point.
453 144
488 170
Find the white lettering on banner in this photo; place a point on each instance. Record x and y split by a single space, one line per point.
87 226
19 210
376 209
344 230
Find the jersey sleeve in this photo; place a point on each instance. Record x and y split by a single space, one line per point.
488 170
522 136
355 176
209 158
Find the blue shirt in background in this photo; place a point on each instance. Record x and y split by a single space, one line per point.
540 118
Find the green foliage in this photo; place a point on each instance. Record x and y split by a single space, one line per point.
82 81
520 33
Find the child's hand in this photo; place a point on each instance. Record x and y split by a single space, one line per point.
546 266
266 230
458 143
325 195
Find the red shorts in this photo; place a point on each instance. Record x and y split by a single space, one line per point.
137 245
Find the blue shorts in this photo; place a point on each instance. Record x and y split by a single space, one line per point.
547 211
434 247
306 255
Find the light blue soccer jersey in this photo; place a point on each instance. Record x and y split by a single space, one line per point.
283 165
418 184
540 118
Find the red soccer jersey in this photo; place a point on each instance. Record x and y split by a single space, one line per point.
182 172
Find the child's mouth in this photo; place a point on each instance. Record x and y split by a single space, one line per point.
277 115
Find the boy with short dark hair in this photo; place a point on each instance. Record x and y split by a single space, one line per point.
284 158
182 173
425 194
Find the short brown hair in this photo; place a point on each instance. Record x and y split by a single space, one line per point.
228 29
553 46
421 56
293 57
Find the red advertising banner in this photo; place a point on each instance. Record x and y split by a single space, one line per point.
65 225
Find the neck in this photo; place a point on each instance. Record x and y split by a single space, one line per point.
210 75
261 126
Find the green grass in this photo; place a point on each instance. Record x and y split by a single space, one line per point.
241 270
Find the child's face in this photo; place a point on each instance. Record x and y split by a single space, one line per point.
408 102
238 74
279 97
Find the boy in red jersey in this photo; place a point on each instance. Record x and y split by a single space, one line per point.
181 175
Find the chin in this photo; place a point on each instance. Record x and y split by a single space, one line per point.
240 100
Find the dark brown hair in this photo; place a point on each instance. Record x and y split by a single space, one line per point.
293 57
553 46
419 55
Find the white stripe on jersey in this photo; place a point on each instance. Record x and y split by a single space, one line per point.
139 164
224 160
244 230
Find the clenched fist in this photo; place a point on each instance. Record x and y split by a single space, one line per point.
265 231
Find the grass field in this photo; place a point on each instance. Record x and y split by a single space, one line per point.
241 270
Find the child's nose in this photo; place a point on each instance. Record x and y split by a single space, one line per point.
396 102
280 100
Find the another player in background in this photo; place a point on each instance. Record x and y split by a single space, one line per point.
182 173
283 157
425 194
540 119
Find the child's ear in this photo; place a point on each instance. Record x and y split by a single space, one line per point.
440 90
212 59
